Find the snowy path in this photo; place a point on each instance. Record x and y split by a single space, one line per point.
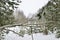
38 36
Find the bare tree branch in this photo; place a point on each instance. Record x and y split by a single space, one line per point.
13 32
11 25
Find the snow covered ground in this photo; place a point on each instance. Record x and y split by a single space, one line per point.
38 36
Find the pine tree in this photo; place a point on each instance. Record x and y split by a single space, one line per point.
6 14
6 11
52 15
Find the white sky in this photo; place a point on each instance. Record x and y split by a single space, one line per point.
31 6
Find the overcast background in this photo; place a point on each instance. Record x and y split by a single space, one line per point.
31 6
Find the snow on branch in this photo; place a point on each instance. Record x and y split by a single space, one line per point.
11 25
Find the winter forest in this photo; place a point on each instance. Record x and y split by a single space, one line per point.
29 19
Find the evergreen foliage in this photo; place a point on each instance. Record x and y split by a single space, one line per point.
6 11
52 15
6 14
